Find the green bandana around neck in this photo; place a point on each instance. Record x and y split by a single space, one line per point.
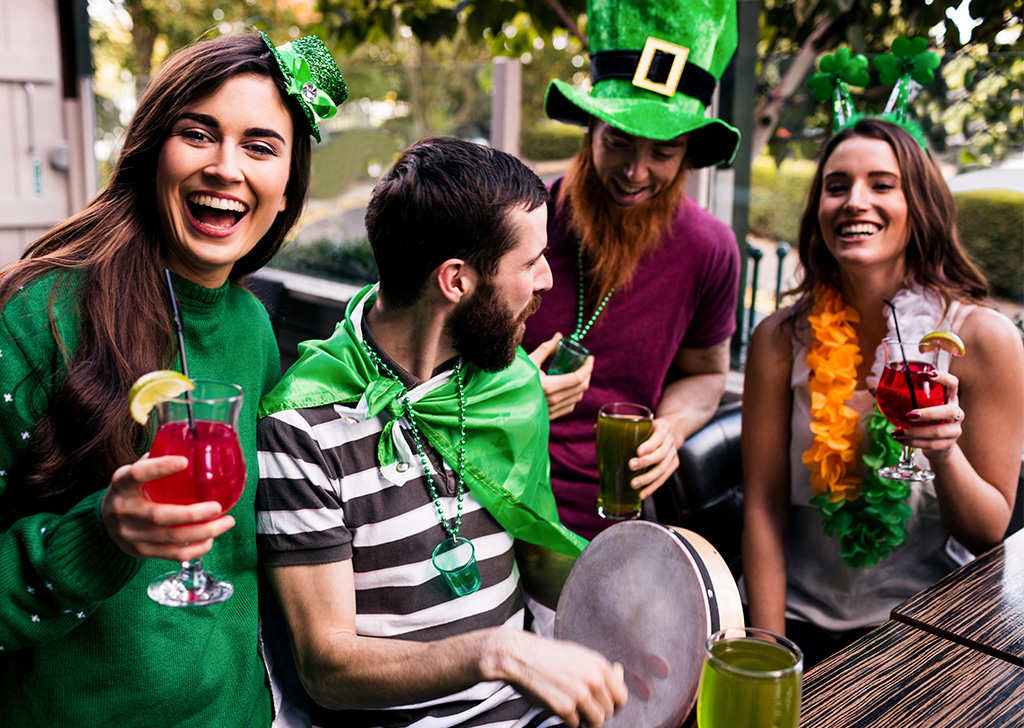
507 465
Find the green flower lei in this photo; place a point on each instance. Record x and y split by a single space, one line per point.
870 527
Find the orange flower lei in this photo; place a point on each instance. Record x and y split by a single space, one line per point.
867 516
833 355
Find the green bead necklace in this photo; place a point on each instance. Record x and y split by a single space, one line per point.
452 531
581 329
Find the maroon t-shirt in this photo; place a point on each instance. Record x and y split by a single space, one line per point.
683 295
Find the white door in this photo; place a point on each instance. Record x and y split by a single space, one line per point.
46 162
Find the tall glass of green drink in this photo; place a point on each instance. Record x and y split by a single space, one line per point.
621 427
750 679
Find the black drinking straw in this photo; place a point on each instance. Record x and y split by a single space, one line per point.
906 365
181 348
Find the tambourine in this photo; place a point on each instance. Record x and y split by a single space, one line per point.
648 596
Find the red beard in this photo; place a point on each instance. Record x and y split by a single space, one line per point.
615 237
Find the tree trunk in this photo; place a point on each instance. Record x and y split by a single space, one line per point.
767 113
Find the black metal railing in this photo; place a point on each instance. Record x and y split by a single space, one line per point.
751 317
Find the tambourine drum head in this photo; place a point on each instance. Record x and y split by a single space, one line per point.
647 596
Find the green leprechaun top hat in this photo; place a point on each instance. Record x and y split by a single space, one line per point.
311 76
654 65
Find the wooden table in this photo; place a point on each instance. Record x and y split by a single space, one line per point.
952 656
980 605
904 677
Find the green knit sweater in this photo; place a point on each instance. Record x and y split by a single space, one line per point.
81 644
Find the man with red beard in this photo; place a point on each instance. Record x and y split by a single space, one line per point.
643 278
404 485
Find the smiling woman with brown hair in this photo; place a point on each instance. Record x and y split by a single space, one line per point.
829 547
213 173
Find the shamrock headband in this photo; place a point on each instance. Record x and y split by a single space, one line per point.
311 76
910 61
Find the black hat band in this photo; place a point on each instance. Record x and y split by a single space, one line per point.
695 81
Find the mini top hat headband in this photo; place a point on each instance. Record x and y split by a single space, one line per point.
311 76
910 64
654 65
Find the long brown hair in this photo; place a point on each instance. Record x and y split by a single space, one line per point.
615 237
935 257
109 260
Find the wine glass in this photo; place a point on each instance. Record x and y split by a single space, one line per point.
201 425
750 678
905 386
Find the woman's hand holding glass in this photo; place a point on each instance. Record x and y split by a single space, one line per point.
936 429
145 529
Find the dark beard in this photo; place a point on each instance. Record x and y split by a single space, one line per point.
485 330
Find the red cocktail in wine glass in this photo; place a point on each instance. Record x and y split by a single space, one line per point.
201 425
907 385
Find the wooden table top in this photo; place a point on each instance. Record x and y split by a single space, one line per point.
980 605
900 676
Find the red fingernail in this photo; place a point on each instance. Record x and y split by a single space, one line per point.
913 416
898 432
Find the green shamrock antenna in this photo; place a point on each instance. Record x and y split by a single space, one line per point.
835 72
910 62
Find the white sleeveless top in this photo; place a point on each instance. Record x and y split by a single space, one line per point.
821 588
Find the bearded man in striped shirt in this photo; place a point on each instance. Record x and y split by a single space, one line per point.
420 424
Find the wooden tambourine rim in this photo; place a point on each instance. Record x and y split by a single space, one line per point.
721 601
726 593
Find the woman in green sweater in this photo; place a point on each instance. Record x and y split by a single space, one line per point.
213 173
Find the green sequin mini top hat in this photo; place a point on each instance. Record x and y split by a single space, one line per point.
311 76
909 63
654 65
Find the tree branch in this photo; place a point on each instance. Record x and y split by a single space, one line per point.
767 113
568 22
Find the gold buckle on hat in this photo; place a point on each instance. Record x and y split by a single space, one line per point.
643 67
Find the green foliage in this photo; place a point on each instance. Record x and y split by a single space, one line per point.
347 261
136 36
428 40
354 21
550 141
346 158
991 225
971 112
777 197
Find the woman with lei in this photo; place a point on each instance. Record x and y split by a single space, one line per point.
829 548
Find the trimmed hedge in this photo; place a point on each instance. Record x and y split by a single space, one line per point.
777 197
343 160
991 225
347 261
550 141
991 222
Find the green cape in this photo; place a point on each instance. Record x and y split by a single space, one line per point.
507 465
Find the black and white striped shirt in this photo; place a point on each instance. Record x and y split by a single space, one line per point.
322 498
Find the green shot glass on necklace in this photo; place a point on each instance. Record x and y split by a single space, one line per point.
570 353
455 557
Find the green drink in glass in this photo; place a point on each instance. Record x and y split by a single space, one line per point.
750 679
621 427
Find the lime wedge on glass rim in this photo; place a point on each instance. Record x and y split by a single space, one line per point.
154 387
944 340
